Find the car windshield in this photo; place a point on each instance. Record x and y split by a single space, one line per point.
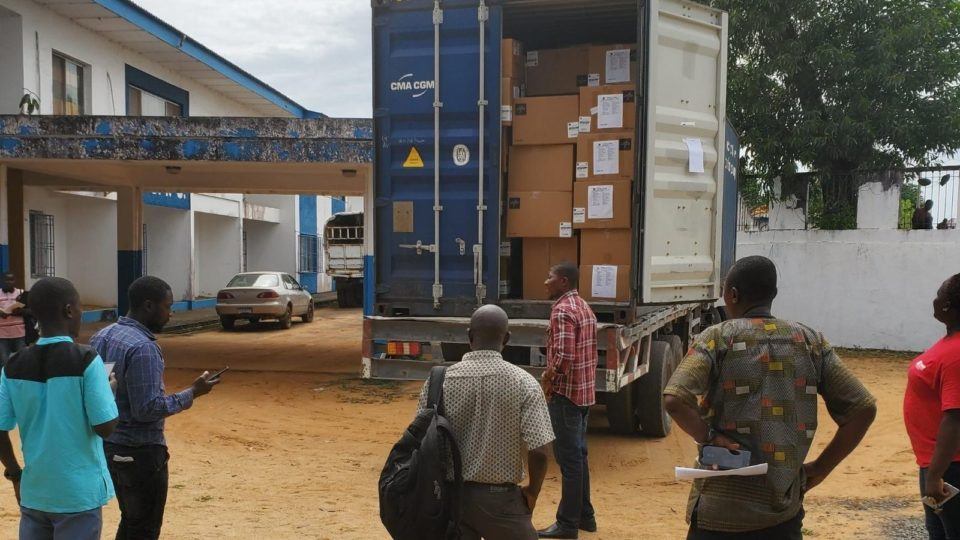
254 280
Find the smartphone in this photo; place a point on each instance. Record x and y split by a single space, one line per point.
722 459
951 493
218 374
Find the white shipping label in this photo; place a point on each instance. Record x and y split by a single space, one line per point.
594 110
610 111
585 122
579 215
604 282
599 202
566 229
695 149
583 169
606 157
506 113
593 79
573 129
533 58
618 66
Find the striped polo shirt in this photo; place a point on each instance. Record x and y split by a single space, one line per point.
55 392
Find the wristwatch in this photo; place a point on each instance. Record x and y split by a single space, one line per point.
711 435
13 475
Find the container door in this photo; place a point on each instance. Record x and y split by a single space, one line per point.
404 94
682 170
731 199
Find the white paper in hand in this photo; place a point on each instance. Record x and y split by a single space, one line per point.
687 473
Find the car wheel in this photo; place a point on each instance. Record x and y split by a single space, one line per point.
227 322
286 321
308 316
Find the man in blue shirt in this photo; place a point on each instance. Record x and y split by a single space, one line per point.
137 451
58 394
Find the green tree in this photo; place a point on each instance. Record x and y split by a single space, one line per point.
840 86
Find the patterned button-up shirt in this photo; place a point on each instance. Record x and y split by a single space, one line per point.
759 379
572 349
140 391
498 413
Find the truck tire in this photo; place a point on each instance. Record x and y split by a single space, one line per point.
622 411
653 418
676 352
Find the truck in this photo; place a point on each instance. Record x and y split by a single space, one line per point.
440 188
344 249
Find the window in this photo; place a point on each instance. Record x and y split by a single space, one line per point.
291 283
143 103
41 245
254 280
68 86
309 253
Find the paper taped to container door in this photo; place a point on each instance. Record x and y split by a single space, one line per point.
618 66
695 149
606 157
604 282
610 111
600 202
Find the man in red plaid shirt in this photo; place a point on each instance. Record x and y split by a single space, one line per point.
569 386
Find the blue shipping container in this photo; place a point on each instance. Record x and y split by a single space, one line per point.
404 94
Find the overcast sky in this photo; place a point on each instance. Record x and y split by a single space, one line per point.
317 52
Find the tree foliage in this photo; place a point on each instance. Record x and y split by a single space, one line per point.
843 85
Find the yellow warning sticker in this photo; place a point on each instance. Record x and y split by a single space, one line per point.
414 161
770 327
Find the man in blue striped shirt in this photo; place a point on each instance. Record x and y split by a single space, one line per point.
57 394
137 451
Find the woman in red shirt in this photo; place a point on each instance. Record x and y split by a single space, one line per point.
931 411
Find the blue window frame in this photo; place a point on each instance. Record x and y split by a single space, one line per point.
141 80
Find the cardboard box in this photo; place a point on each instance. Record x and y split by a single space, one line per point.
606 246
608 64
539 255
546 120
539 214
614 107
602 283
552 72
510 90
541 168
512 59
602 204
606 156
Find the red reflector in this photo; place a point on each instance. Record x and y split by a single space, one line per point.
403 348
268 294
224 296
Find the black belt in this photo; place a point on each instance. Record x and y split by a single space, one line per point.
492 488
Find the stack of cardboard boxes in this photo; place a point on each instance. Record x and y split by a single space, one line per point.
571 164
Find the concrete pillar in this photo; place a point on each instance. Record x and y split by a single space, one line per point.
4 226
16 255
369 275
878 208
129 242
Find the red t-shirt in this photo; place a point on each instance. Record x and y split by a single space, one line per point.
933 386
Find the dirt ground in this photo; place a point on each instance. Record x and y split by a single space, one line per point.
291 444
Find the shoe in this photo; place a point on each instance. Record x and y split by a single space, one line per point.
556 531
588 526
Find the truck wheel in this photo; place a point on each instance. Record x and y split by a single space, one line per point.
676 352
653 417
227 322
622 411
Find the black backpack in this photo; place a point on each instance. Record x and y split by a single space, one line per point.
416 502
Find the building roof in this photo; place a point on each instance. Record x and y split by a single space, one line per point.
133 27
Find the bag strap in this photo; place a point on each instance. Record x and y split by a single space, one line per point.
456 511
435 392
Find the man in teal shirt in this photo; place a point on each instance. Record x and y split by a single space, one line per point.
57 393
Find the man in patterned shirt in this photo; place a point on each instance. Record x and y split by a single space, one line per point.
500 419
757 378
569 385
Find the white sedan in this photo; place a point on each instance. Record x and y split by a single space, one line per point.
256 296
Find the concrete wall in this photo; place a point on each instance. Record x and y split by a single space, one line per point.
91 228
48 202
11 62
169 248
878 208
217 252
273 246
868 289
106 60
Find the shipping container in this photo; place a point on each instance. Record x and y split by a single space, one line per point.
440 188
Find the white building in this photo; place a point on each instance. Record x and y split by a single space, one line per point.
110 57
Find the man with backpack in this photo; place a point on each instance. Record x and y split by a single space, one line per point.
499 419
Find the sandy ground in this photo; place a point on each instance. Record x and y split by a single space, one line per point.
291 444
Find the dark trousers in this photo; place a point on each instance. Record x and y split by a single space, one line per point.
944 524
9 346
140 477
570 448
788 530
495 512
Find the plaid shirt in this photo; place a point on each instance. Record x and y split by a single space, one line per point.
140 392
572 349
